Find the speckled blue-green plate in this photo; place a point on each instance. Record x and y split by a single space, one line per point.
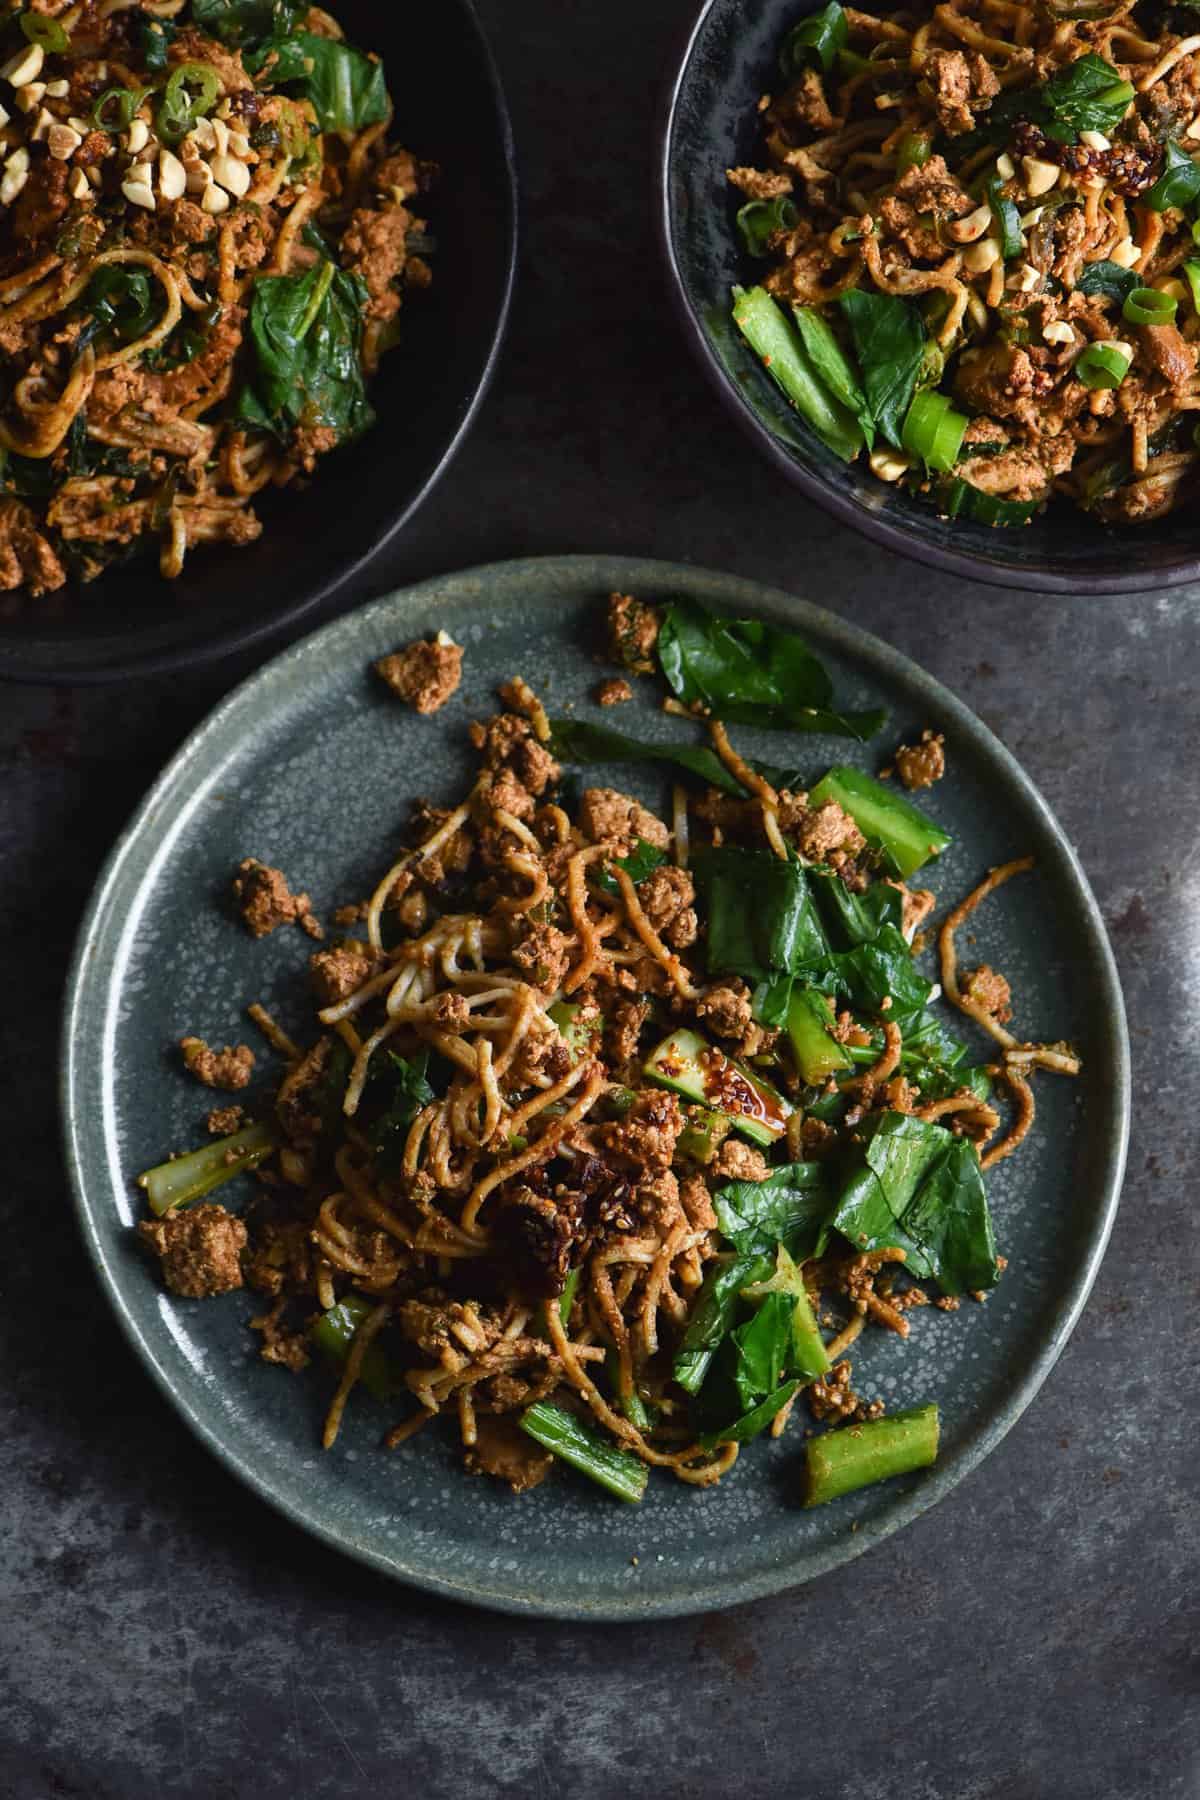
311 766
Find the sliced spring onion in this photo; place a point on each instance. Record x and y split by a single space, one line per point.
1102 366
916 147
48 33
1149 306
576 1443
759 220
933 431
1008 219
815 42
190 1177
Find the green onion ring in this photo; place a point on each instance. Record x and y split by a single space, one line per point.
1149 306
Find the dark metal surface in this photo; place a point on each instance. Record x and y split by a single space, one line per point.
1034 1638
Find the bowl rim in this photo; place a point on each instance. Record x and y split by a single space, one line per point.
261 628
1038 578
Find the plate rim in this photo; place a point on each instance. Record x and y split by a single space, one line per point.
845 638
875 526
258 630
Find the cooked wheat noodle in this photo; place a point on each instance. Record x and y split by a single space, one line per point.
1022 1123
370 1327
274 1033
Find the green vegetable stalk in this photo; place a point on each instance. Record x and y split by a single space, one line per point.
883 816
576 1443
190 1177
857 1455
774 340
334 1334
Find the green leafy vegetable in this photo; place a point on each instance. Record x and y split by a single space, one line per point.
881 971
921 1190
759 220
834 366
761 915
815 42
575 741
852 919
410 1092
584 1448
1109 280
951 1221
154 38
346 88
747 672
121 303
1086 95
761 1349
780 349
305 331
643 862
838 1462
244 24
1179 183
752 1423
806 1354
712 1314
996 124
889 341
1191 269
791 1207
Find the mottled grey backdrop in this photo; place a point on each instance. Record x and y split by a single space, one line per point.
163 1635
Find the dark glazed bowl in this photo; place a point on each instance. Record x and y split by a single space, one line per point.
710 125
449 110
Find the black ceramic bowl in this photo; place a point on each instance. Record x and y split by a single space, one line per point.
711 125
449 110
